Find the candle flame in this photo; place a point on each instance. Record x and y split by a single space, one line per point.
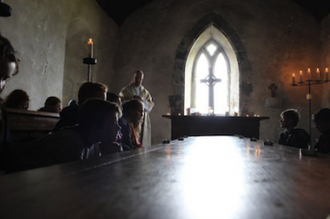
293 75
90 41
326 70
309 70
317 70
300 72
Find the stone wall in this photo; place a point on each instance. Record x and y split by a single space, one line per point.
51 39
278 36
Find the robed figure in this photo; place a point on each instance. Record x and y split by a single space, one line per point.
136 90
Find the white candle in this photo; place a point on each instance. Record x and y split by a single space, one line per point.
293 78
90 48
326 74
318 74
300 76
309 74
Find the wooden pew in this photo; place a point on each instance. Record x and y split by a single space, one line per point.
27 125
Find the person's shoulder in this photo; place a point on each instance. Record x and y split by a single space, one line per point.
301 132
71 109
123 121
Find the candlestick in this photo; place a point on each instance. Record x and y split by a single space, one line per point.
90 60
90 48
300 77
293 78
309 74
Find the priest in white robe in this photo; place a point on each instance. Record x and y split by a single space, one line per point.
136 90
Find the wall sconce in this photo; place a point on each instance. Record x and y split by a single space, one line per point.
5 10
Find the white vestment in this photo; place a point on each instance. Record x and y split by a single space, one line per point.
128 93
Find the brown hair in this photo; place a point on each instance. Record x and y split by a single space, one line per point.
7 51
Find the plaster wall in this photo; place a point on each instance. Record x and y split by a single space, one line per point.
279 38
51 42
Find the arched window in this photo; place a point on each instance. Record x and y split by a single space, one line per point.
211 77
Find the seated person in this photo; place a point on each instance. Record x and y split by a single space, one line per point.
112 97
69 115
98 122
322 123
132 117
52 105
17 99
292 136
8 68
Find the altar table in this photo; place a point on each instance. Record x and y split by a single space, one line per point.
215 125
199 177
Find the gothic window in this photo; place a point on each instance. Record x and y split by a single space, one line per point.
211 78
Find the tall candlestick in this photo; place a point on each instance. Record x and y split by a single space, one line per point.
326 74
301 76
90 48
309 74
293 78
317 74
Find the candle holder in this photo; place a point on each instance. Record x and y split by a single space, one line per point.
89 62
5 10
310 82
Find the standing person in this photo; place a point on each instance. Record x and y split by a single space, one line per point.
322 123
292 136
136 90
8 68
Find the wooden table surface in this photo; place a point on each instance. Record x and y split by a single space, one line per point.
200 177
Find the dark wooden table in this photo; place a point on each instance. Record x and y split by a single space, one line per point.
200 177
214 125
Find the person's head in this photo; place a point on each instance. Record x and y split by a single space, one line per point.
137 78
8 61
17 99
99 120
322 120
92 90
289 118
53 105
112 97
133 109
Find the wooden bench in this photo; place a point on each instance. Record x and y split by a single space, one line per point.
27 125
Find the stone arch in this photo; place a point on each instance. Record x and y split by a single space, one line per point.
245 71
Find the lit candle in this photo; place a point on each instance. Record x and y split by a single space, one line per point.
309 74
90 48
326 74
293 78
301 76
317 74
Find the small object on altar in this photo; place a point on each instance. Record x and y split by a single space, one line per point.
166 141
268 143
181 138
253 139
